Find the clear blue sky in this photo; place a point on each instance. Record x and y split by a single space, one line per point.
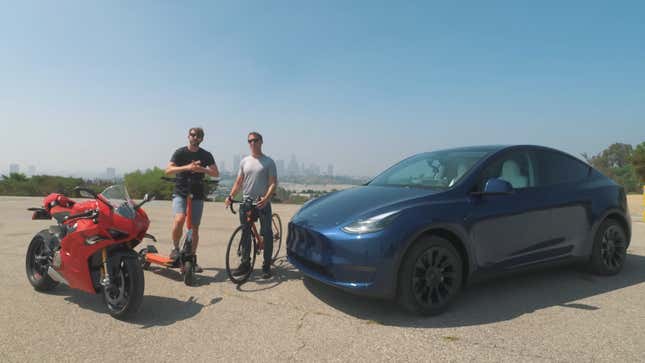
86 85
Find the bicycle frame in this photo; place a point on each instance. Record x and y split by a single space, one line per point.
249 221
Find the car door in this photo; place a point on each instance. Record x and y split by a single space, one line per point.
506 231
563 182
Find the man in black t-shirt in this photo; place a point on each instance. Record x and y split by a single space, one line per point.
190 163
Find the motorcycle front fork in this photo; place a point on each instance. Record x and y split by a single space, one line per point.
105 272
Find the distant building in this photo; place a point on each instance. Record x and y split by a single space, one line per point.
279 165
110 173
221 166
236 163
314 170
14 169
330 170
293 168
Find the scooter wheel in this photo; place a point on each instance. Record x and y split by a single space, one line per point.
189 273
142 259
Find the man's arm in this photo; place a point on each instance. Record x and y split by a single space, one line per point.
212 170
173 169
236 187
273 184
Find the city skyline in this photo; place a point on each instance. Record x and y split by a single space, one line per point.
312 169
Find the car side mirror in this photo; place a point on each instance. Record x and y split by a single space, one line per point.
496 186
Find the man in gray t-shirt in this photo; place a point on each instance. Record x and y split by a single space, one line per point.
256 173
258 180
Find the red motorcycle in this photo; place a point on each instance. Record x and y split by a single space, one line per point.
92 247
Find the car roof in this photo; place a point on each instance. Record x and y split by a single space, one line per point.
486 148
495 148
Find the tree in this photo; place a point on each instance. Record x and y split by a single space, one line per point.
139 183
615 156
638 161
618 155
616 163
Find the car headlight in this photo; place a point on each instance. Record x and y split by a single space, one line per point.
373 224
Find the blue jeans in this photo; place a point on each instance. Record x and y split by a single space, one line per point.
265 231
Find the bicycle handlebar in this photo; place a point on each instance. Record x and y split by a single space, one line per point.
205 181
248 200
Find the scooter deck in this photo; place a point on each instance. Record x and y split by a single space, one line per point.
159 259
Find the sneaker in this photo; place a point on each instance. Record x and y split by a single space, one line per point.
266 271
174 254
242 269
198 268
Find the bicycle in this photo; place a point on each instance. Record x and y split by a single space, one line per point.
235 248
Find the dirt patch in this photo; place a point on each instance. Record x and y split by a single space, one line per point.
635 202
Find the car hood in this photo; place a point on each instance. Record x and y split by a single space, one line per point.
349 205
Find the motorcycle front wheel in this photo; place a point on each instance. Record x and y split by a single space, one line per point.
123 297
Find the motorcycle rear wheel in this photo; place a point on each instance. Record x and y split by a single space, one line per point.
36 265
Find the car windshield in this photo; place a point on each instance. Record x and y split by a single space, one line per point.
438 169
118 197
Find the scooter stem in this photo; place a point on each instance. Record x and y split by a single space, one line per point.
189 211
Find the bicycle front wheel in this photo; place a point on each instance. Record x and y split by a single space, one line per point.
276 228
235 256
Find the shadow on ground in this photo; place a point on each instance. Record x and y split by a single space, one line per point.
154 310
209 276
496 300
282 271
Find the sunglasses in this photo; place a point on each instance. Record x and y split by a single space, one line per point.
195 136
253 140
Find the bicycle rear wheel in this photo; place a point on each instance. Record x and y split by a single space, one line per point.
235 255
276 228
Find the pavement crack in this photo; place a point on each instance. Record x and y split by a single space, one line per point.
303 344
301 321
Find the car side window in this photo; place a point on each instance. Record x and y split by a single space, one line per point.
556 168
515 167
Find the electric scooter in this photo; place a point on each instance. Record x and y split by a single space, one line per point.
185 260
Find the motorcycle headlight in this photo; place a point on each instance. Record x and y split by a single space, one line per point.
373 224
94 239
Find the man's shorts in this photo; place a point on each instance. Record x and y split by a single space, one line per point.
179 207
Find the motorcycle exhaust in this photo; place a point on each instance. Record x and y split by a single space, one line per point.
56 276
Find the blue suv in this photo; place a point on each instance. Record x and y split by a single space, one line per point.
436 221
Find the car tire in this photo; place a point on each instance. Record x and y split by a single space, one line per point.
609 248
430 277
